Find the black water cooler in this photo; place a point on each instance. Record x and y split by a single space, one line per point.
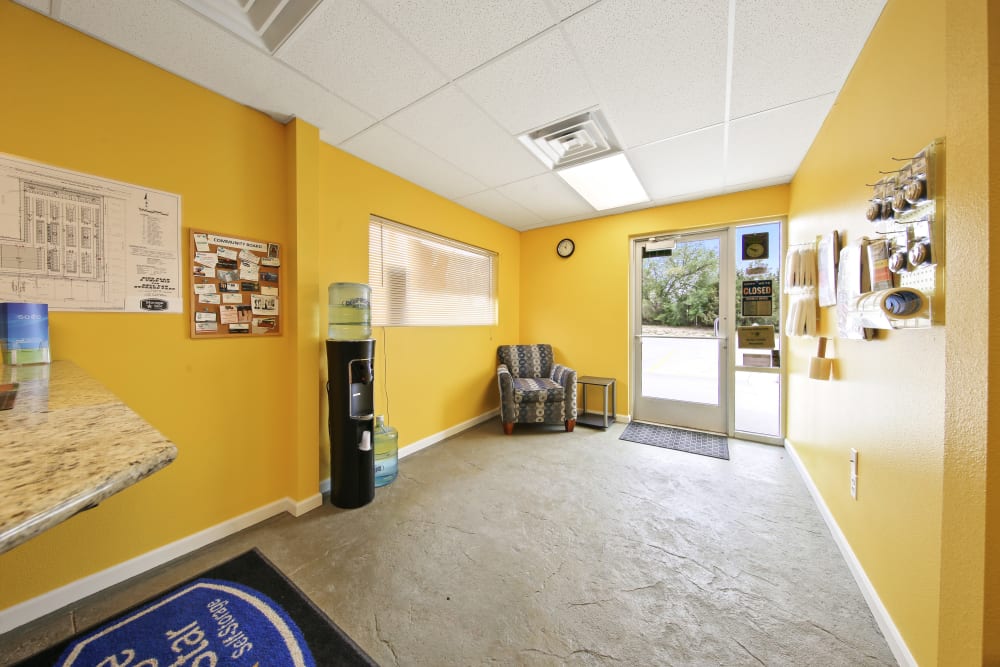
350 391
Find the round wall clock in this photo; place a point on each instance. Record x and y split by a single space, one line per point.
754 250
565 248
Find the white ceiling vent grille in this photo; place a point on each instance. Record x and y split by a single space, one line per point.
580 138
264 23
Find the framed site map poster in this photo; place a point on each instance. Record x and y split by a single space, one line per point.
235 286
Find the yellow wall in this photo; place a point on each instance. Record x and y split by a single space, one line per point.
302 312
991 577
589 328
73 102
451 369
911 401
85 106
970 589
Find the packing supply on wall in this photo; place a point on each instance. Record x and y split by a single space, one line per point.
801 280
853 280
801 320
879 276
881 308
819 366
800 268
827 256
903 260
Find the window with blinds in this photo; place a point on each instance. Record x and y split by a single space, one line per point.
422 279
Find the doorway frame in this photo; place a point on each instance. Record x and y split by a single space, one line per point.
702 414
730 361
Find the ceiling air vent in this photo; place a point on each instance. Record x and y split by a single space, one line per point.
580 138
264 23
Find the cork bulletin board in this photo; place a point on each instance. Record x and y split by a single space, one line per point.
235 285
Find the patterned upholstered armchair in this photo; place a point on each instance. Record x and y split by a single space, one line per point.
533 388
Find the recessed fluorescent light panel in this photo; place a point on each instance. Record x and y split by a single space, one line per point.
605 183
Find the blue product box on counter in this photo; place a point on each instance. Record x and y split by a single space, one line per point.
24 333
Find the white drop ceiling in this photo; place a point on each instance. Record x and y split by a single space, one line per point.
705 96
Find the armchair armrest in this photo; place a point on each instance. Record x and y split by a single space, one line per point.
505 381
567 378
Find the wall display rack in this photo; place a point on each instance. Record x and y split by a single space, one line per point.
235 286
906 258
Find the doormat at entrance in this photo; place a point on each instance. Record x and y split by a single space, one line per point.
243 612
694 442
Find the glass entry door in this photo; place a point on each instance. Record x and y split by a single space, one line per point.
681 324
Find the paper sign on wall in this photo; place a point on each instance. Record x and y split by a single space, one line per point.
756 338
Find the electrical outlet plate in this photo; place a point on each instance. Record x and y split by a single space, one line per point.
854 473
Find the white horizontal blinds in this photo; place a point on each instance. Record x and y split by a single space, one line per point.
422 279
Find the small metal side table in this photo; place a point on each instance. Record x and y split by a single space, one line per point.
603 420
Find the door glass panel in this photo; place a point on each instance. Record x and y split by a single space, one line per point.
681 369
757 393
758 397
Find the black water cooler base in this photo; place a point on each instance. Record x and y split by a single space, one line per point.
351 395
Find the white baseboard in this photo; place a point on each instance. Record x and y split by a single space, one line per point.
301 507
36 607
889 630
433 439
415 447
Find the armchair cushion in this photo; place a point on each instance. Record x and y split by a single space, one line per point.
538 390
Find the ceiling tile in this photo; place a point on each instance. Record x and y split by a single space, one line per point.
658 68
350 51
537 83
789 50
692 196
214 58
458 35
497 207
688 163
448 124
296 97
566 8
547 196
386 148
771 145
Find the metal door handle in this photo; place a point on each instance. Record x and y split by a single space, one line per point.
716 326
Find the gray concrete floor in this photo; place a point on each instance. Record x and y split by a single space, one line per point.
553 548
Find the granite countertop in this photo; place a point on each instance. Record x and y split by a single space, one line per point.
67 444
